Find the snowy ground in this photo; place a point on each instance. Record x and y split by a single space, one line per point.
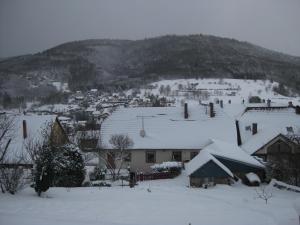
169 202
242 88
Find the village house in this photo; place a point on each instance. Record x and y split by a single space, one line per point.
163 134
28 129
264 131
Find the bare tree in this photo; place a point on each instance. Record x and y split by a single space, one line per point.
121 143
88 139
11 175
264 193
6 135
13 178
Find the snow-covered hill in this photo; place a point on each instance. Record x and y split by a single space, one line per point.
233 90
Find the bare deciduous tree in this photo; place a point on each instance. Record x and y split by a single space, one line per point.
34 146
264 193
11 177
121 143
6 135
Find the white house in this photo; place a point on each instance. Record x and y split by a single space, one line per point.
166 133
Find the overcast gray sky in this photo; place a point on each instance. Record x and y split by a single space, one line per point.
30 26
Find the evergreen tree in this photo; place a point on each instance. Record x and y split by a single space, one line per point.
61 166
68 167
44 173
6 100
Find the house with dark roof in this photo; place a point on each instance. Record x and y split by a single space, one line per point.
219 162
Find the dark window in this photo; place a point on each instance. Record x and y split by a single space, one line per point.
176 156
278 146
150 157
127 157
193 154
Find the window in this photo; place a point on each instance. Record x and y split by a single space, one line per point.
278 147
127 157
150 157
193 154
176 156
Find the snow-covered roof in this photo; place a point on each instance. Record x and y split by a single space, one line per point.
166 127
96 113
64 118
35 124
201 159
231 151
252 177
58 107
270 123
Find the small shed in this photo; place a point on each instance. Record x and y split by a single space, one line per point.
206 170
235 159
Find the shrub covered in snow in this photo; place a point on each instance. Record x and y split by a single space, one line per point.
254 99
167 166
68 167
59 166
44 172
12 179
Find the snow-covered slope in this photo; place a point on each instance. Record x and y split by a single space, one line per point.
170 202
235 90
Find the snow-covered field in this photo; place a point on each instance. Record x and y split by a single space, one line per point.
167 202
223 88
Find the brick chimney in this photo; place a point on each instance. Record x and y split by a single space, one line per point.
238 133
254 128
269 103
24 129
221 103
186 112
290 104
211 110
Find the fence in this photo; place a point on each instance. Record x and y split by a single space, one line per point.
156 176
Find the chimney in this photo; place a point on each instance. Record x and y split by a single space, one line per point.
221 103
186 112
290 104
24 129
297 110
269 103
238 133
254 128
211 109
